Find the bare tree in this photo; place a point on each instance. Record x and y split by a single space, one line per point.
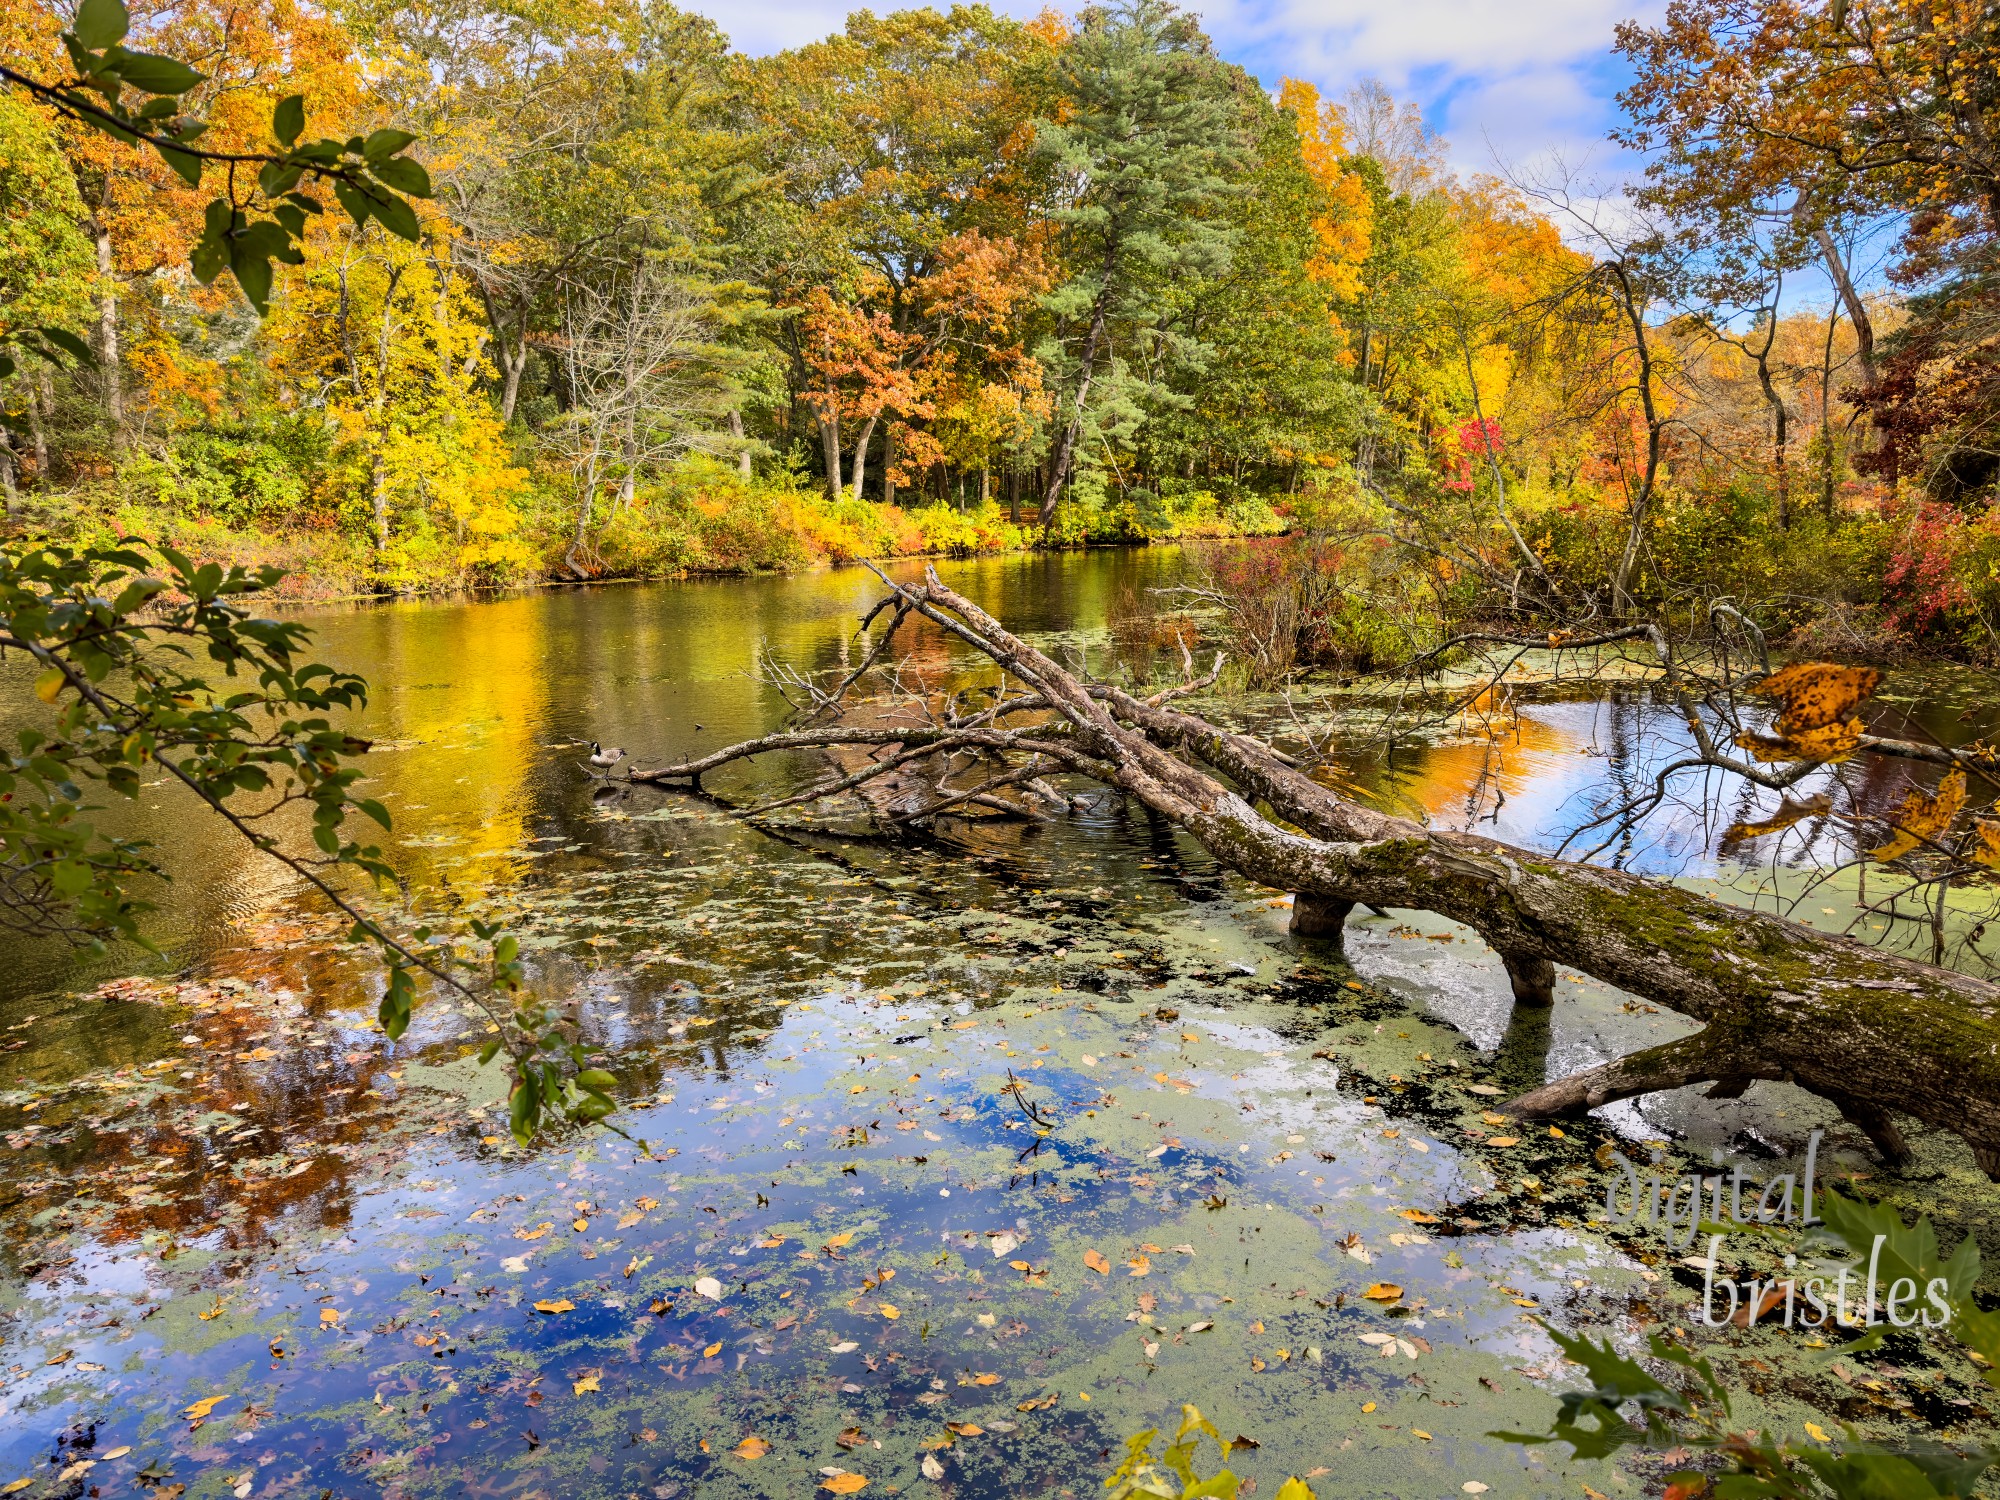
645 379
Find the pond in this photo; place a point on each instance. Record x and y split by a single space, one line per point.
950 1162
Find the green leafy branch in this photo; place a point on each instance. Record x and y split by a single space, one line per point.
117 648
137 98
1763 1467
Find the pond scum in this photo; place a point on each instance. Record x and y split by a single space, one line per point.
942 1177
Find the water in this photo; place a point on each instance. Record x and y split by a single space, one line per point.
990 1148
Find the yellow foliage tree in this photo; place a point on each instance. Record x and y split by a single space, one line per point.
393 337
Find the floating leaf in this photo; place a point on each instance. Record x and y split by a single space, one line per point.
1142 1265
845 1484
930 1468
846 1346
711 1351
329 1315
1504 1140
852 1437
1817 1433
560 1305
1416 1216
709 1287
751 1449
1419 1432
1923 816
200 1409
584 1384
1384 1291
1097 1263
890 1311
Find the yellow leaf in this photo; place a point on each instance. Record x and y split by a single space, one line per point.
48 687
1825 743
986 1379
1368 1406
627 1220
1142 1265
15 1487
1384 1291
1986 849
1019 1265
1788 813
119 1452
580 1225
1295 1488
329 1315
1817 1433
201 1409
840 1240
1504 1140
1097 1263
1419 1432
890 1311
711 1351
845 1484
1813 694
751 1449
560 1305
1417 1216
533 1234
1923 816
586 1383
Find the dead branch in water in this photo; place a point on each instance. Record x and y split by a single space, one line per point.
1874 1033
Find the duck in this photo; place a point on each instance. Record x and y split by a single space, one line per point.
604 759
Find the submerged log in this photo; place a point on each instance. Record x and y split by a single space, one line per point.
1874 1033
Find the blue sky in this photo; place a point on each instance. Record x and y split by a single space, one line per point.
1511 82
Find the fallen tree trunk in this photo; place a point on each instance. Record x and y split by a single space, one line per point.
1874 1033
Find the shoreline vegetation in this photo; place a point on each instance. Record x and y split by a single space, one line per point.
707 522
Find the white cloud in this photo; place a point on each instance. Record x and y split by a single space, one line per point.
1516 80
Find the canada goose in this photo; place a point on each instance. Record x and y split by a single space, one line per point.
604 759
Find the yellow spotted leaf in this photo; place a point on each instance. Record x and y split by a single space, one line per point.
751 1449
845 1484
1814 694
1384 1291
1923 815
583 1384
1788 813
1986 847
1142 1265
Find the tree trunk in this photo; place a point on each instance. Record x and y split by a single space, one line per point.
829 443
889 464
111 374
1872 1032
742 452
1065 454
513 363
861 453
7 482
41 400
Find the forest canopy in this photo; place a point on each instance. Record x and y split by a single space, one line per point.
947 282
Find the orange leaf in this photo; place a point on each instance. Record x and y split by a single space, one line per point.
1384 1291
1097 1263
751 1448
845 1484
